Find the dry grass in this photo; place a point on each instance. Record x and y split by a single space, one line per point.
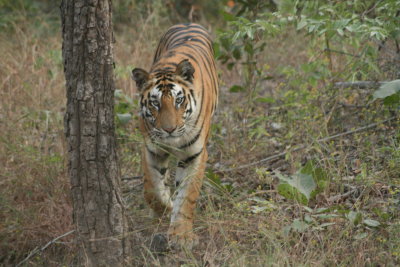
251 225
34 186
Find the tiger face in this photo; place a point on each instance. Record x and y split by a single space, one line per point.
167 101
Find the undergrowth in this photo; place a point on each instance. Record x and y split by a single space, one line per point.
350 218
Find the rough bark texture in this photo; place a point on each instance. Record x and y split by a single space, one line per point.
89 127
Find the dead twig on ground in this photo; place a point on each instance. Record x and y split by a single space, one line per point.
262 192
37 250
337 198
370 126
359 84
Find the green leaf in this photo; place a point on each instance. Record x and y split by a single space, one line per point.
299 226
212 176
308 219
124 118
371 223
236 88
354 217
228 17
214 181
217 51
360 236
236 53
248 48
298 187
226 43
291 193
387 89
327 224
308 209
257 209
301 24
318 174
392 100
236 36
382 215
230 65
325 216
122 108
249 33
322 210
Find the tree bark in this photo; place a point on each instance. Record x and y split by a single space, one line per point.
87 52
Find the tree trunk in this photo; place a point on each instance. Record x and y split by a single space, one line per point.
89 128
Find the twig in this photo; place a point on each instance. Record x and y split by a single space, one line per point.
372 125
359 84
342 196
255 194
263 160
127 178
36 250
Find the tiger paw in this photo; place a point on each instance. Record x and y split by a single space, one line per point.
182 240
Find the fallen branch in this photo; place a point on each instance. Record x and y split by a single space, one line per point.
36 250
335 199
372 125
263 160
359 84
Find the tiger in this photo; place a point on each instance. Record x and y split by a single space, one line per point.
178 98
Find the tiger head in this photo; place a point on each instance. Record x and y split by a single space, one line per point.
167 100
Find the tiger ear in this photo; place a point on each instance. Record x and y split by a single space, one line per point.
185 69
140 76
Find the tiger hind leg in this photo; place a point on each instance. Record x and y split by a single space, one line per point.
180 231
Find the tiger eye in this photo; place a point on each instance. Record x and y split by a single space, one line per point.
179 100
155 104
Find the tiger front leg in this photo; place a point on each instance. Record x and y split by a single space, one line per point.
189 179
156 193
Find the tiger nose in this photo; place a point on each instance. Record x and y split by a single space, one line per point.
169 129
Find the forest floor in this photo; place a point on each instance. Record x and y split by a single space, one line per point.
242 217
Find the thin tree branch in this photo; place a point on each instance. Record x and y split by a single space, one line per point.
372 125
359 84
36 250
